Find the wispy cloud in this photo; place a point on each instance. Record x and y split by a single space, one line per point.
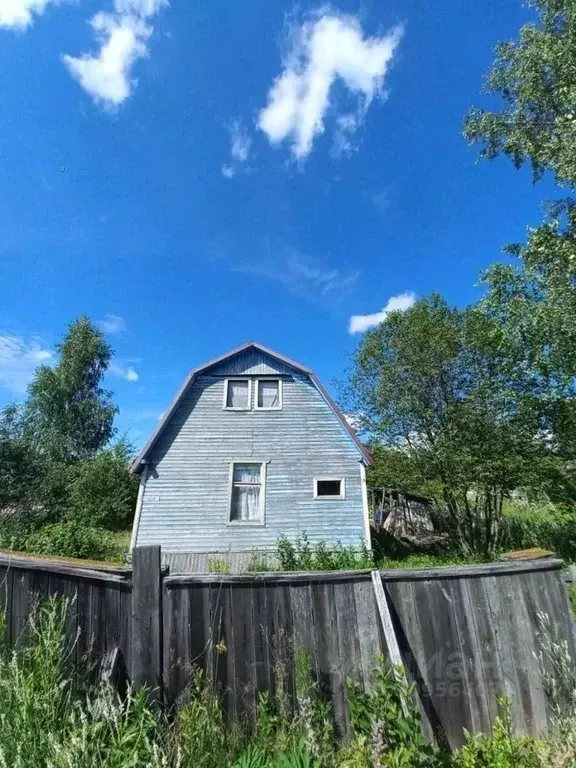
327 48
361 323
19 14
111 324
241 144
19 358
125 372
123 38
304 275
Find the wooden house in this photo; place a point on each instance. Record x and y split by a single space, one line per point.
251 448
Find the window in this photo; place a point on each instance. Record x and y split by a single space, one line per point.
268 394
247 493
329 488
237 394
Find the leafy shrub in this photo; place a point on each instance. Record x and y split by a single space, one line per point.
71 539
500 749
301 555
101 491
386 723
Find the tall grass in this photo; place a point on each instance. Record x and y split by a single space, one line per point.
51 719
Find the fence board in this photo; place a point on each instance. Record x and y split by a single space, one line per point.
475 627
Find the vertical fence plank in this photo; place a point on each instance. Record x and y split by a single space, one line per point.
147 620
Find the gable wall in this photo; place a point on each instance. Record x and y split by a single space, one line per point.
186 499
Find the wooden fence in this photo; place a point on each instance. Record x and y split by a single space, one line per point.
464 635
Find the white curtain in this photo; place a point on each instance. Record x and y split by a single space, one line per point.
237 394
268 394
246 492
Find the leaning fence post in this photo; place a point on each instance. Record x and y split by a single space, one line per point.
147 620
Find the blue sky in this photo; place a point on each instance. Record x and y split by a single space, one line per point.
197 175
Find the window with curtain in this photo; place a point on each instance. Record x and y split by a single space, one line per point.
268 394
246 503
238 393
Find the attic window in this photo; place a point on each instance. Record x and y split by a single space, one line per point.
329 488
237 394
268 394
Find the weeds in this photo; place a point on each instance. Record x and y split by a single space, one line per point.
302 555
48 721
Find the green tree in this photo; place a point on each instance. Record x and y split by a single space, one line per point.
69 415
432 383
101 491
536 79
20 467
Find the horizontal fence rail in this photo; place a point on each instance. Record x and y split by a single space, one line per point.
464 635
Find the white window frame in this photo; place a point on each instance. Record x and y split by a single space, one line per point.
237 378
330 479
263 465
280 395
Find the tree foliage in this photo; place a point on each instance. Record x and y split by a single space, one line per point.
432 384
61 479
536 80
69 415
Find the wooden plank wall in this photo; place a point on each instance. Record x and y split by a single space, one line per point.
468 635
465 635
99 604
246 632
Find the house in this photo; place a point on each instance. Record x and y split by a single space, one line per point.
252 447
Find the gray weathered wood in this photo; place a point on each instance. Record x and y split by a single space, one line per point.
386 620
147 620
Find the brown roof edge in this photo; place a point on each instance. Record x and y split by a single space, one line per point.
142 456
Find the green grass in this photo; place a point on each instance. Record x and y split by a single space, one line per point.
50 718
418 561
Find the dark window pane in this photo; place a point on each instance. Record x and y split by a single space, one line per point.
328 487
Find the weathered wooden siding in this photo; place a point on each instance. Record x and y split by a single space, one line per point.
185 504
99 604
470 634
247 632
252 362
465 634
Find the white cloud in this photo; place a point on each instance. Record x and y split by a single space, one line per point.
19 358
328 48
304 275
123 37
241 144
361 323
124 372
19 13
112 324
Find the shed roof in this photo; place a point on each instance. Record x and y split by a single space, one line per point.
145 452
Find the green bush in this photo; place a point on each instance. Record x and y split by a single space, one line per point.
100 491
71 539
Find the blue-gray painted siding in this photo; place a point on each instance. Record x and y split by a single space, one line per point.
251 362
185 504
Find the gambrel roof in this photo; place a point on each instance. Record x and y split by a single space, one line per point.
145 453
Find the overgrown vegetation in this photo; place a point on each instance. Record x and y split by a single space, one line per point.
64 480
301 555
51 718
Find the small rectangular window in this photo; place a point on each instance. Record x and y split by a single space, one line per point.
269 394
329 488
237 394
247 499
